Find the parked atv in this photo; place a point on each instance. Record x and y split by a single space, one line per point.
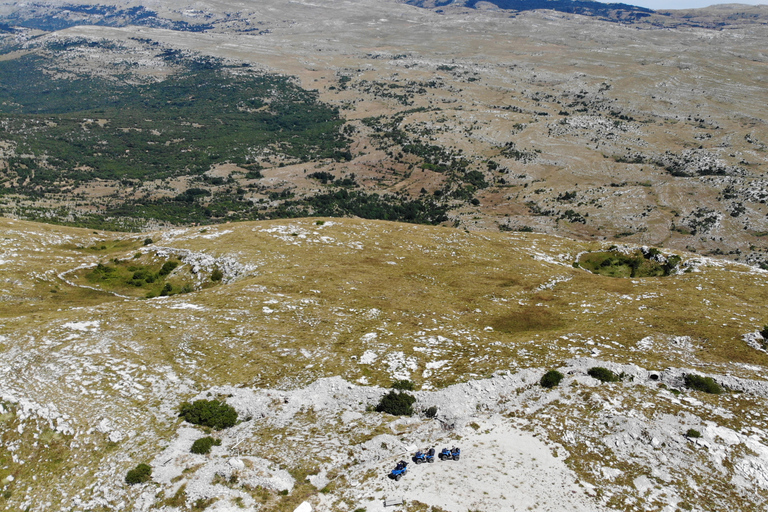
420 457
399 471
455 453
430 455
445 454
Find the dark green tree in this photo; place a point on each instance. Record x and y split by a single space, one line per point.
138 475
551 379
209 413
397 403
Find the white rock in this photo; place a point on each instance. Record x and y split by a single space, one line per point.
236 463
304 507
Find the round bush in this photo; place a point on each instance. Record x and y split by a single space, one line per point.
705 384
551 379
397 404
692 433
209 413
138 475
431 412
602 374
203 445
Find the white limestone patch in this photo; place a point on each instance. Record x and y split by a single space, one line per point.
368 357
400 366
185 305
85 326
216 234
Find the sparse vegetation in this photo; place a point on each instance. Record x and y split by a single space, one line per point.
139 475
704 384
396 403
203 445
551 379
209 413
603 374
613 263
132 276
405 385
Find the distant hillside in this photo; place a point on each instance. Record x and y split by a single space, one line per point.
613 12
714 17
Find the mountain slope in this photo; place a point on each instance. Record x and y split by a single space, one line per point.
547 121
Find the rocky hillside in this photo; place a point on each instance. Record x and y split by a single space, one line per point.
301 325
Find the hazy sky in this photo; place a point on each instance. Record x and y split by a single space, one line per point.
683 4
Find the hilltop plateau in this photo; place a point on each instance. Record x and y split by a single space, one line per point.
301 325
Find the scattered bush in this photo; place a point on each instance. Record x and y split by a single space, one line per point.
209 413
705 384
603 374
430 412
551 379
217 275
693 434
138 475
168 267
396 403
406 385
764 332
148 241
203 445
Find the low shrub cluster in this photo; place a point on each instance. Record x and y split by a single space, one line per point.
396 403
603 374
406 385
138 475
209 413
203 445
692 433
430 412
705 384
551 379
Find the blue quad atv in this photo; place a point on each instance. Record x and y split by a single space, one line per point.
425 456
399 471
452 454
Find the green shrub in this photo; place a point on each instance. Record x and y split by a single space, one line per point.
551 379
430 412
693 434
764 332
209 413
138 475
396 403
705 384
168 267
148 241
602 374
204 445
406 385
217 275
